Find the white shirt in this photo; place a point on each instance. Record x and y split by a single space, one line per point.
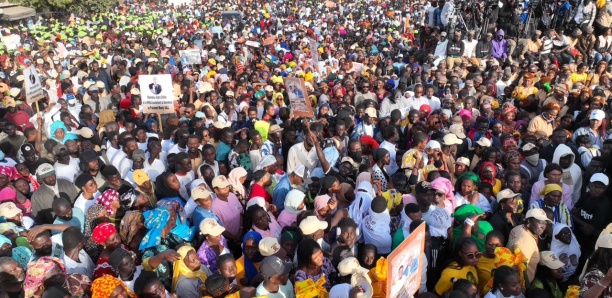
84 266
130 283
83 204
185 180
69 171
284 291
298 155
376 231
440 51
415 103
176 149
469 48
434 103
154 169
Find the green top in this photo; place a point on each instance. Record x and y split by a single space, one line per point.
398 237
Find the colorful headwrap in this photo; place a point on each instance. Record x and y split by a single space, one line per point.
107 198
104 286
102 232
467 176
550 188
155 220
35 274
503 256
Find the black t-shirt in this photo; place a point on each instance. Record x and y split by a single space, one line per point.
595 212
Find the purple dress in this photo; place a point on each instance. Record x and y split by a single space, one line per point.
207 255
327 269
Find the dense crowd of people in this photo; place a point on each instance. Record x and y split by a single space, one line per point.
491 133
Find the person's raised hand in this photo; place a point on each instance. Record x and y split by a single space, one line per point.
171 255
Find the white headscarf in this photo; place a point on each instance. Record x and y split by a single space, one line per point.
293 200
567 253
405 221
360 207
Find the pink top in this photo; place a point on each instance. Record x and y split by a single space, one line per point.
286 219
567 194
229 212
274 229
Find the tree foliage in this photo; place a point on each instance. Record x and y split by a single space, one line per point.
81 6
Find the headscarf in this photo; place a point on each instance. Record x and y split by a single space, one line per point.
256 201
506 110
106 116
162 189
503 256
493 167
35 273
155 220
182 228
569 254
234 178
180 269
8 194
92 213
31 179
107 198
249 266
266 161
4 240
444 185
130 224
379 154
102 232
511 155
548 188
370 141
104 286
293 200
363 176
8 171
319 203
467 176
67 135
150 122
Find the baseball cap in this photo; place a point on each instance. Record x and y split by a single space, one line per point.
138 154
85 132
433 145
57 149
269 88
451 139
350 265
506 194
45 170
597 115
301 171
273 265
200 192
209 226
229 93
27 150
550 260
88 155
219 124
371 112
484 142
528 146
269 246
311 224
220 182
463 160
537 213
600 177
604 240
9 210
275 128
10 102
457 129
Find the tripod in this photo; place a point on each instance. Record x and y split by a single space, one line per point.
532 22
453 22
485 24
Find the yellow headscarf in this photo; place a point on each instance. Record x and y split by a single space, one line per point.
106 116
550 188
180 269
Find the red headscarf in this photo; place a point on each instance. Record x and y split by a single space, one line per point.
102 232
493 167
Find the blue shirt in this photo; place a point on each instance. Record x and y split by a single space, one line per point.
280 192
223 151
77 220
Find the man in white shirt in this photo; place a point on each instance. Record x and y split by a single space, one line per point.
415 102
469 48
74 257
376 229
65 167
184 174
276 282
440 51
447 10
122 160
434 102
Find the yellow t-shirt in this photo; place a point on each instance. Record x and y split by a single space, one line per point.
576 77
392 200
485 271
240 273
452 272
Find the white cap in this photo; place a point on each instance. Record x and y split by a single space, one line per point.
550 260
457 129
433 145
210 226
597 115
451 139
349 266
484 142
463 160
537 213
600 177
311 224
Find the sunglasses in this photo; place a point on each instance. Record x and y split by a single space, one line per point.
473 255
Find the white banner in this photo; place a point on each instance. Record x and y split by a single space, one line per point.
157 93
33 86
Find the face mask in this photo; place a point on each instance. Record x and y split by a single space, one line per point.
356 156
340 77
532 159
